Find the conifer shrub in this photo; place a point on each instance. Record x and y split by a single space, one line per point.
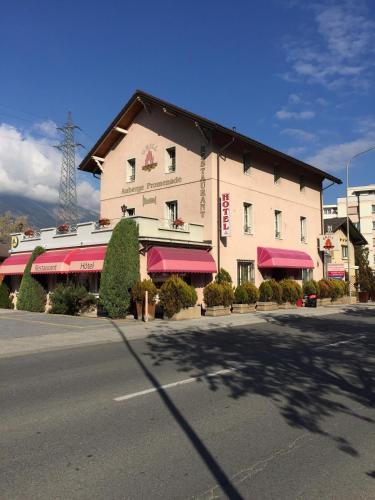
5 300
228 294
324 289
291 291
223 276
213 295
265 292
71 299
32 296
240 295
276 291
337 291
309 288
121 269
138 292
175 294
252 292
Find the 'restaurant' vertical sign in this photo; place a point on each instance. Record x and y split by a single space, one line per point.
225 215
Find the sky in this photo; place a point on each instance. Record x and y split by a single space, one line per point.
298 76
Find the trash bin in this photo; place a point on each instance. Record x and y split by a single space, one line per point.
311 300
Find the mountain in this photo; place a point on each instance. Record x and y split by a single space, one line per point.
39 213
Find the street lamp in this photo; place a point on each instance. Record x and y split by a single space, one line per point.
347 207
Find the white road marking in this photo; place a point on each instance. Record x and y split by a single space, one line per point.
345 341
174 384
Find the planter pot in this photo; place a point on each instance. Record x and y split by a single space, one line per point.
372 296
139 307
324 302
193 312
363 297
267 306
141 311
218 311
287 305
243 308
151 311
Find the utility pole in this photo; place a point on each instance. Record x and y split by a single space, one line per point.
68 210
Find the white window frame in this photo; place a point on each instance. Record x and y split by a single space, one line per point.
130 170
171 214
278 224
250 264
170 160
373 225
344 254
303 229
247 214
373 209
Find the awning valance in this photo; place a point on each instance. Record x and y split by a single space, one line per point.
15 264
284 258
179 260
87 260
53 262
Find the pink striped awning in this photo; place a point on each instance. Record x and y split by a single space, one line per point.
179 260
87 260
281 257
15 264
52 262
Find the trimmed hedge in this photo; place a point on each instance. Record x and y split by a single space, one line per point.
310 287
228 294
175 294
71 299
291 291
252 292
223 276
121 269
324 289
139 291
5 300
32 296
265 292
240 295
276 291
213 295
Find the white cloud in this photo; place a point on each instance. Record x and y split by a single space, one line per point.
341 51
30 167
298 134
294 98
284 114
47 128
296 151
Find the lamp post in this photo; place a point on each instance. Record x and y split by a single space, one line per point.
347 207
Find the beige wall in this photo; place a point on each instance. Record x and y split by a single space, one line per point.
161 131
336 255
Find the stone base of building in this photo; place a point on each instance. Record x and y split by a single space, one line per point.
218 311
324 302
287 305
267 306
188 313
243 308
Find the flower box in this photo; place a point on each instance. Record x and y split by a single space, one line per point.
104 222
218 311
267 306
243 308
29 232
63 228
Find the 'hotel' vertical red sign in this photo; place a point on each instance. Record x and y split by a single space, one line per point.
225 215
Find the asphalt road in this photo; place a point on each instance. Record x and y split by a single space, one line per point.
280 410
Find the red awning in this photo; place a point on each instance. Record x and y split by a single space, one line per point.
87 260
53 262
280 257
15 264
179 260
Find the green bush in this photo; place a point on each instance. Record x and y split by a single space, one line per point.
309 288
223 276
176 294
121 269
265 292
32 296
252 292
276 291
71 299
228 294
5 300
213 295
316 284
139 291
240 295
324 289
337 291
291 291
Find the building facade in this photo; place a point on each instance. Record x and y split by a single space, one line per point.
204 197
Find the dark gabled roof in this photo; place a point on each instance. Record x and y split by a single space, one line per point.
356 237
140 99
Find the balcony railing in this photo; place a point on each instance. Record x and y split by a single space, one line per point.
172 226
66 229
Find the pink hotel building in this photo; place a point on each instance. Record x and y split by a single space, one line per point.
203 196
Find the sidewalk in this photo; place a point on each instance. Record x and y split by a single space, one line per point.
104 330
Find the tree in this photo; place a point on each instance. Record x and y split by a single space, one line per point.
32 296
11 224
365 276
121 269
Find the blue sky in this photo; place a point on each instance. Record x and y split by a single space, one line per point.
297 77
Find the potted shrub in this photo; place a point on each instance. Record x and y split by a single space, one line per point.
63 228
179 299
178 222
245 298
276 292
29 232
223 276
139 294
265 297
324 295
72 300
290 293
213 295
